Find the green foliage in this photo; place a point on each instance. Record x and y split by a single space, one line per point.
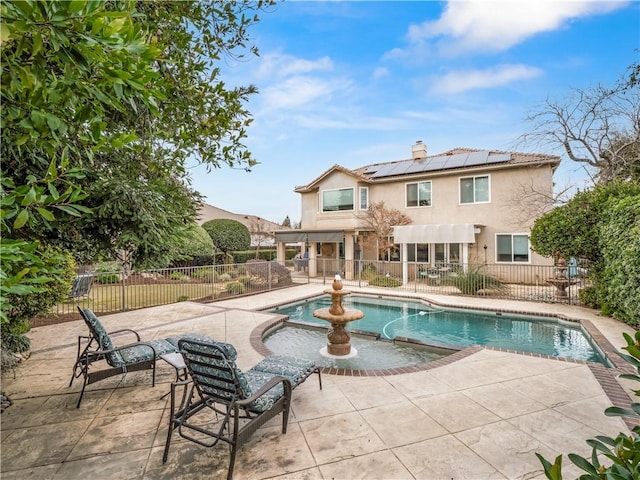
204 274
573 230
44 278
235 288
369 272
471 282
194 241
272 272
183 298
384 281
228 235
611 458
620 240
108 278
181 277
589 297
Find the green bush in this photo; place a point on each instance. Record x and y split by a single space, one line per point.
245 280
369 272
589 297
23 307
108 278
470 283
228 235
183 298
383 281
235 288
203 274
224 277
620 278
179 276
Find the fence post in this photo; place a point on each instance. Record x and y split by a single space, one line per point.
124 291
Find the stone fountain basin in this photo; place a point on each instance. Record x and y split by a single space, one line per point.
349 315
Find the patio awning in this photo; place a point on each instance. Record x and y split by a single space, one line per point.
446 233
294 236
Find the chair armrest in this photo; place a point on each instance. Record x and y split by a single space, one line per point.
124 330
124 347
273 382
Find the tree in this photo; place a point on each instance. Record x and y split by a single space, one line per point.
194 242
259 232
599 225
131 89
228 235
381 220
598 127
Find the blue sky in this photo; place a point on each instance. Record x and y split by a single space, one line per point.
354 83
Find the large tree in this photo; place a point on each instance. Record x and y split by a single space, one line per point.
127 92
597 126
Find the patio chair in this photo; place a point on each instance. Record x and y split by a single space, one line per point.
81 286
101 359
244 400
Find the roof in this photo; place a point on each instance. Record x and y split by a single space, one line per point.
455 159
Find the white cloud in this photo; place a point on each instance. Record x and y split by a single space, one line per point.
464 80
299 91
498 25
279 65
380 72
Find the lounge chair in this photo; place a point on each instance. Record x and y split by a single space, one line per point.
98 350
216 383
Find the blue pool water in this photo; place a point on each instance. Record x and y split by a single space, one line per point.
412 319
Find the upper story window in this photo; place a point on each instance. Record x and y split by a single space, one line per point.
512 248
474 189
364 198
419 194
339 199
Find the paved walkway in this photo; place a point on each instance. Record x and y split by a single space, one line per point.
481 417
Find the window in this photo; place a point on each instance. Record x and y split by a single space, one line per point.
417 252
512 248
364 198
474 189
340 199
419 194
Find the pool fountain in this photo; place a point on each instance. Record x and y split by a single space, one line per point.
338 338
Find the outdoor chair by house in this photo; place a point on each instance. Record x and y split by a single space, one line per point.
244 400
81 285
99 358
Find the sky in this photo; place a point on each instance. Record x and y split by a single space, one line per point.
358 82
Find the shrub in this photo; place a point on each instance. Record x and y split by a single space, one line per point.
204 274
246 280
179 276
471 282
589 297
23 307
369 272
224 277
383 281
107 278
183 298
269 271
228 235
235 288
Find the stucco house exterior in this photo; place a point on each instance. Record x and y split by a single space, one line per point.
465 205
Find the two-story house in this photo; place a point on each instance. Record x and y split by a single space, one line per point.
466 208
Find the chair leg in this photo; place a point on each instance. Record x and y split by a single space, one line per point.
84 384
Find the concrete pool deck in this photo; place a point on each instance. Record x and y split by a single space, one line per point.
482 416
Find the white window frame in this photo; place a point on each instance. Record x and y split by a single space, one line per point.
363 205
512 261
353 199
474 177
406 196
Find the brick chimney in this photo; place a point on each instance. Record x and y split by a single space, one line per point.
419 150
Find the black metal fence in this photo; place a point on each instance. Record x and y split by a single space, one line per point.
116 290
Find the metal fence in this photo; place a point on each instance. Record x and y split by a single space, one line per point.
115 291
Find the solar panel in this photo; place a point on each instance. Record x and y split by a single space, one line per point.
441 162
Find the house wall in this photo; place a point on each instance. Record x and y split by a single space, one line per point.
508 211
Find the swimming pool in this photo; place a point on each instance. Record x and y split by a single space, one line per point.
394 318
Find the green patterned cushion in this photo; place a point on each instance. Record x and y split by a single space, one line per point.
295 369
97 330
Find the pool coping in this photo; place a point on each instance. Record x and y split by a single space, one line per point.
606 376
